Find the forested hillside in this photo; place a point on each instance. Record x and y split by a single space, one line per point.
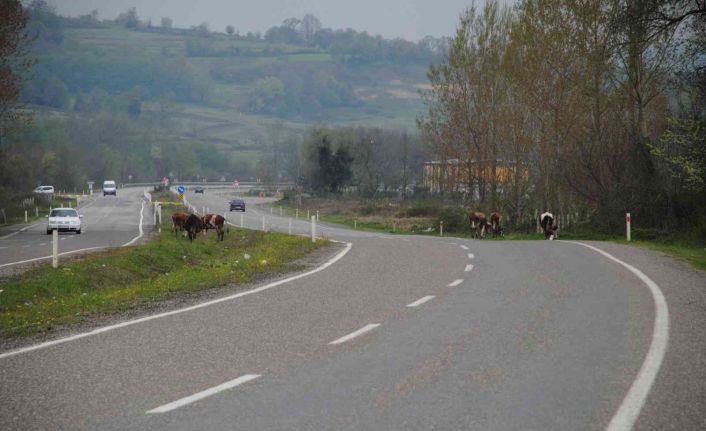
133 100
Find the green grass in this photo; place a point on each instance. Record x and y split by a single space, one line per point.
44 299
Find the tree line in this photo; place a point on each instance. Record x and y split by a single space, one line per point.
594 105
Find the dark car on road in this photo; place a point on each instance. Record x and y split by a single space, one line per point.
198 189
237 205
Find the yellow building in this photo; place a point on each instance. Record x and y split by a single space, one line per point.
456 175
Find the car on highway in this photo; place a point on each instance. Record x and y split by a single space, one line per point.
198 189
237 205
64 220
109 188
44 190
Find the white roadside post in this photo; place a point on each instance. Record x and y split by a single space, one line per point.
25 216
263 223
441 228
355 224
241 220
313 228
307 214
297 214
290 226
36 211
159 216
55 248
627 222
317 215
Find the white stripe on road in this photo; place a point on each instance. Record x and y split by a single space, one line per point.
629 410
464 247
456 282
471 256
97 331
49 257
469 268
421 301
142 216
357 333
204 394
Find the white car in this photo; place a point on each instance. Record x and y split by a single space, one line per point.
45 190
64 220
109 188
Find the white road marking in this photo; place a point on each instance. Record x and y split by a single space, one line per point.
142 216
421 301
26 246
357 333
629 410
464 247
456 282
471 256
44 243
49 257
469 268
204 394
103 329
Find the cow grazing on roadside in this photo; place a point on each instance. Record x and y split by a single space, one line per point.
479 224
219 223
546 220
495 226
178 219
193 225
207 220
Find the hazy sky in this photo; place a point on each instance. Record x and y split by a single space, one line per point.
410 19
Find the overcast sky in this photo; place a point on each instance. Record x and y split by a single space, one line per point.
410 19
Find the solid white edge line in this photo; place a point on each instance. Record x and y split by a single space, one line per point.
464 247
421 301
103 329
455 282
49 257
357 333
469 268
629 410
203 394
142 216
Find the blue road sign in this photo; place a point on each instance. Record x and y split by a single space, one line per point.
181 189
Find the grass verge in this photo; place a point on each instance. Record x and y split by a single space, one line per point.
44 299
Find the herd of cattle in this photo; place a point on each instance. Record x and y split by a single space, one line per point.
480 225
193 224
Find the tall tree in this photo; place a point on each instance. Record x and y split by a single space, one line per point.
14 59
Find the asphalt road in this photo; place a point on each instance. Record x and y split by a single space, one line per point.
398 333
108 222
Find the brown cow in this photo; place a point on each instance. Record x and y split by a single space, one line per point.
495 226
178 219
479 224
218 223
207 219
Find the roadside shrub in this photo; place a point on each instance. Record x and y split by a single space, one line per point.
454 219
423 209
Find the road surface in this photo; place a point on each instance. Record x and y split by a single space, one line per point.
392 333
108 221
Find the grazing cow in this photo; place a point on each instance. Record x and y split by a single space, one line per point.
546 220
479 224
207 219
495 226
193 225
178 220
218 223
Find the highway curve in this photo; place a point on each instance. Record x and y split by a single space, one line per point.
395 333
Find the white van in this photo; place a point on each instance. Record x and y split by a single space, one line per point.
109 188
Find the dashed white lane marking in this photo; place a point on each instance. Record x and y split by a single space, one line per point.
97 331
204 394
471 256
357 333
629 410
421 301
44 243
26 246
464 247
456 282
469 268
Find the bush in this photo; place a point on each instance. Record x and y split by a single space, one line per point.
454 219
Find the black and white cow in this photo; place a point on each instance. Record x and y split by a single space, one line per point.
546 220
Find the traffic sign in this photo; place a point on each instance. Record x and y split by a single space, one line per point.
181 189
181 196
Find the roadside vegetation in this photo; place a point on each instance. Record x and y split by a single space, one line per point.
44 299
